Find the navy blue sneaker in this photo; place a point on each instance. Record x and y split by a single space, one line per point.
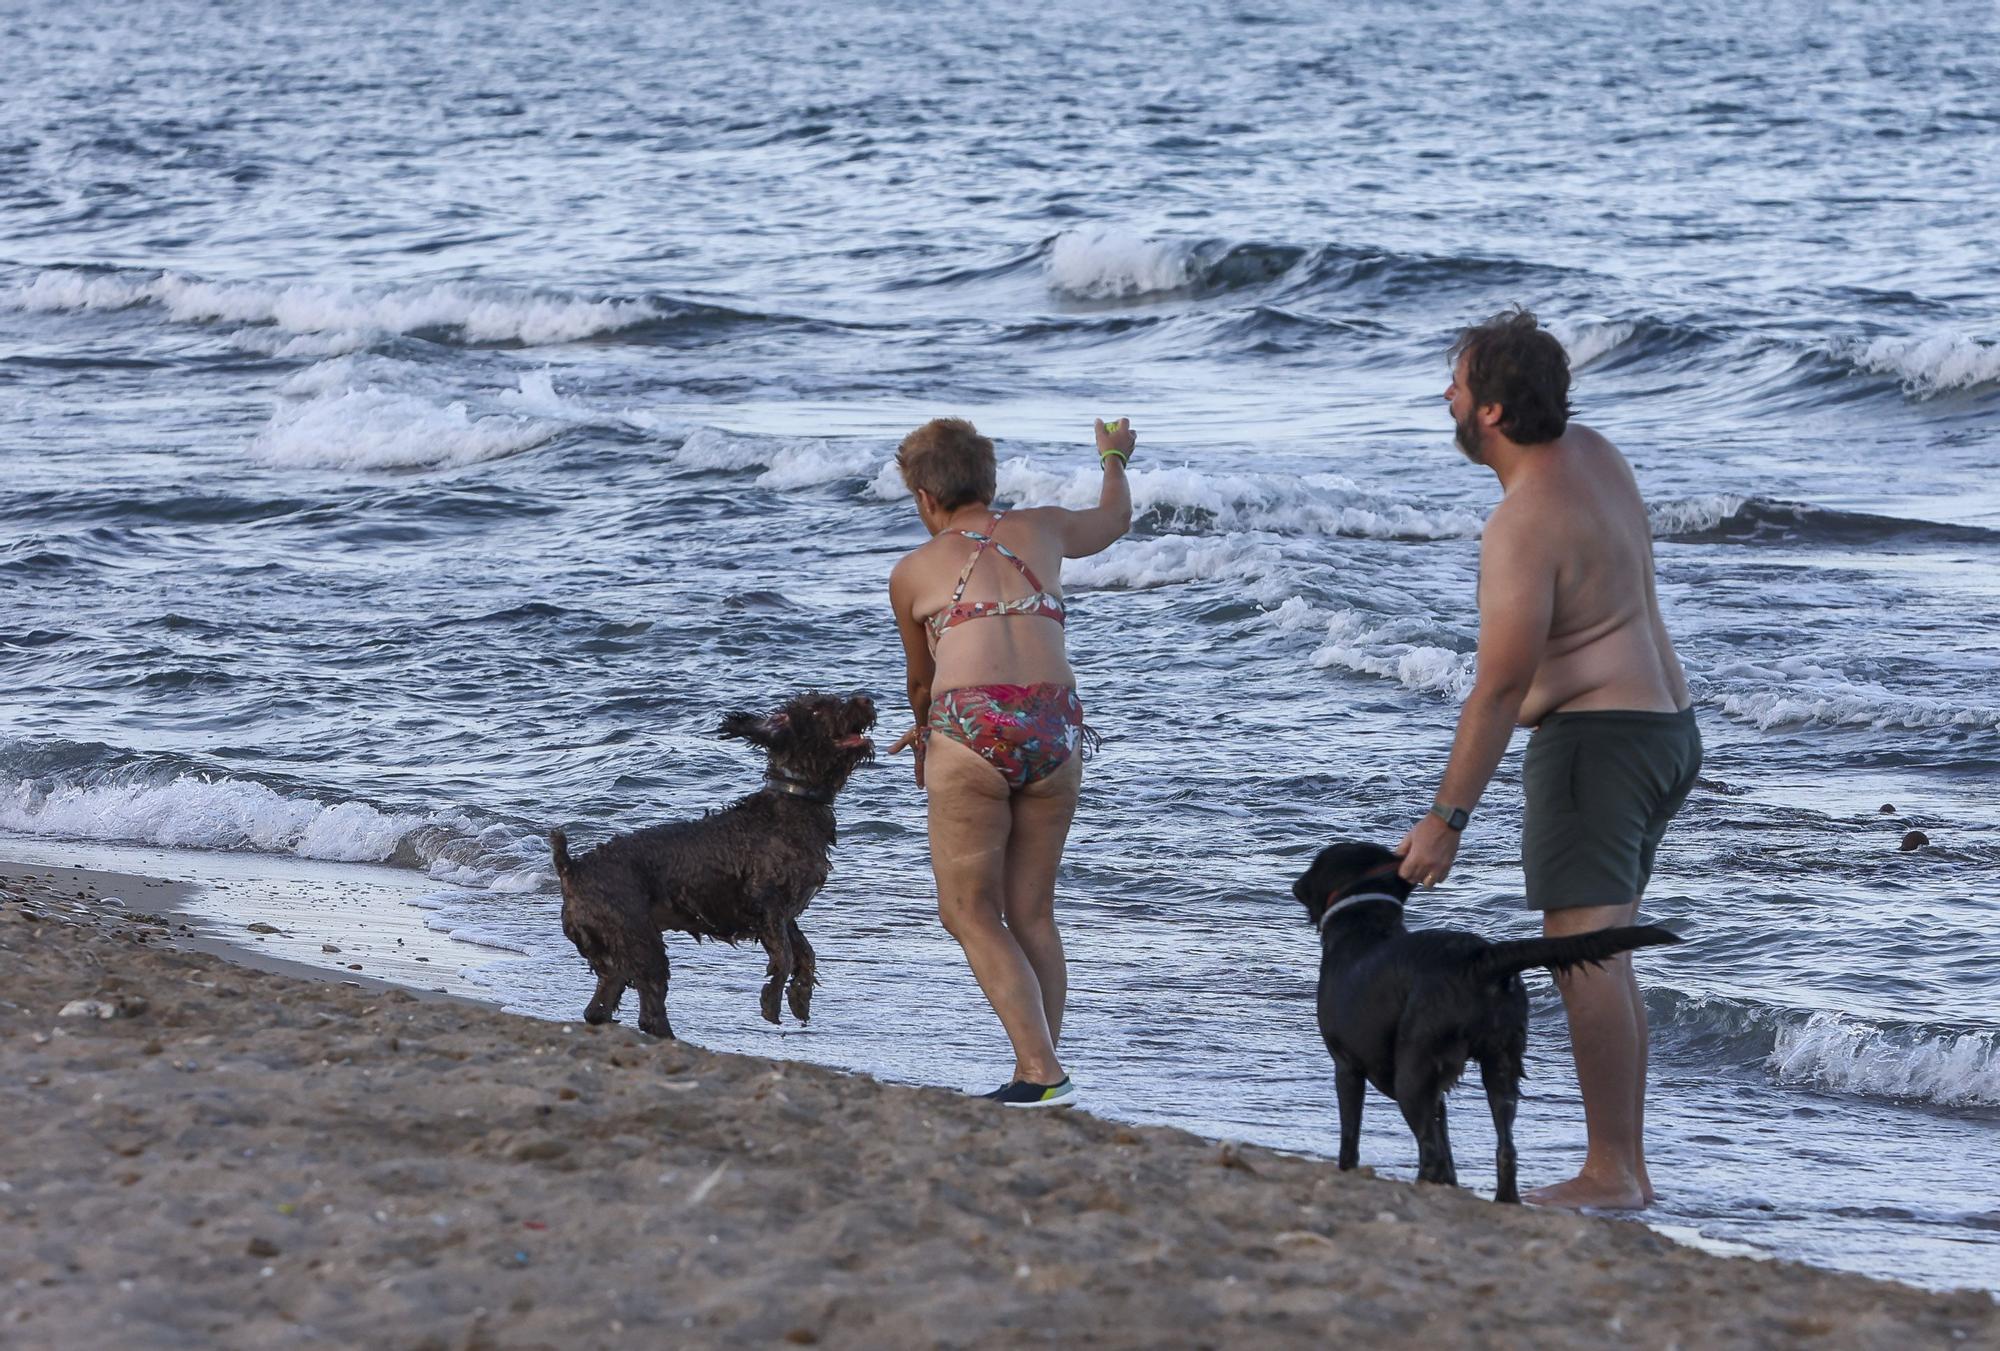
1021 1093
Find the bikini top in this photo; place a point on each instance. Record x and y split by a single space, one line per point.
1039 603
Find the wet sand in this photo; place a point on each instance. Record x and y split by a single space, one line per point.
256 1155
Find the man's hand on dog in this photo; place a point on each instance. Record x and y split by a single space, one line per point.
1428 851
912 740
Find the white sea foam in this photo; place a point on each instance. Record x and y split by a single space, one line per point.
1135 564
1186 498
1934 364
786 463
1108 263
1694 515
375 428
195 812
1404 650
340 318
1847 1055
1588 337
1798 691
198 813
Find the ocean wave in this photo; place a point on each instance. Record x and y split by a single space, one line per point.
1831 1051
1407 650
1799 692
1839 1054
1181 500
1933 365
1721 518
1138 564
143 805
375 428
312 319
1586 338
1106 262
783 462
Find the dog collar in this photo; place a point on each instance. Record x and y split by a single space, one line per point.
1345 903
797 789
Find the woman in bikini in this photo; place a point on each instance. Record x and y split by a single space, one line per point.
998 723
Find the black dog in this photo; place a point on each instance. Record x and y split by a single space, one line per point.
744 872
1404 1011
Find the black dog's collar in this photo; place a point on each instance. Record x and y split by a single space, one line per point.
1348 901
798 789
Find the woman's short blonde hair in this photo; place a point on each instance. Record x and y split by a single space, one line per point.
950 460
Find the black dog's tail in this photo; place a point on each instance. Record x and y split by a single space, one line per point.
1560 954
559 843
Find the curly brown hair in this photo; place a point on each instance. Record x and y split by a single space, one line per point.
1515 362
950 460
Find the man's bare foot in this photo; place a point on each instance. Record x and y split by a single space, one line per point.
1592 1193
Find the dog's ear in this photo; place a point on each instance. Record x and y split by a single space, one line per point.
753 729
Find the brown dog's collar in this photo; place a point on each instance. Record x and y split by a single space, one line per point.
1346 901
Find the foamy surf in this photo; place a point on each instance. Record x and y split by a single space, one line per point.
780 462
1840 1054
1139 564
1178 499
1933 365
373 428
192 811
1111 263
1406 650
344 317
1589 338
1801 692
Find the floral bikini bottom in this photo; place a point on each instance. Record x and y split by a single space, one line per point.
1027 732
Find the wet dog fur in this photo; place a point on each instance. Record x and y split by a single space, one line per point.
1406 1010
745 872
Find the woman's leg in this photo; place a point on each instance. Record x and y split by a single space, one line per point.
970 822
1042 814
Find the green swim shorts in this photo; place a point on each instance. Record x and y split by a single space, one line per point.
1601 787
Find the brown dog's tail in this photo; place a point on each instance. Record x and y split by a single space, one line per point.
559 845
1560 954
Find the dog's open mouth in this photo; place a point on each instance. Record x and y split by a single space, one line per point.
857 742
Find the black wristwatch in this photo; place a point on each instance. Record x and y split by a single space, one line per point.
1454 818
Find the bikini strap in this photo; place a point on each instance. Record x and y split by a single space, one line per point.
1021 565
965 573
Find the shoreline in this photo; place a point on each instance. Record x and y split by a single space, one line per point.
257 1149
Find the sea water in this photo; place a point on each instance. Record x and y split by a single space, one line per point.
420 423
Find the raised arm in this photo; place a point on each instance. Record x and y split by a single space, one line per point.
1097 529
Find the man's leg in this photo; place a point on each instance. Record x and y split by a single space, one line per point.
970 821
1607 1033
1641 1033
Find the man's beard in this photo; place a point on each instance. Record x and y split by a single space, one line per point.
1466 434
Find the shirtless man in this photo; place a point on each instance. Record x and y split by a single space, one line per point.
1570 644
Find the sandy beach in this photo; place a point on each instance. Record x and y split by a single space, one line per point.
204 1152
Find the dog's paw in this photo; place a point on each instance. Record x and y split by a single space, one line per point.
800 998
769 1002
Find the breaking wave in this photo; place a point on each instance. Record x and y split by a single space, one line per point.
1408 650
1799 691
1932 365
1834 1052
1720 518
312 319
142 805
1176 499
